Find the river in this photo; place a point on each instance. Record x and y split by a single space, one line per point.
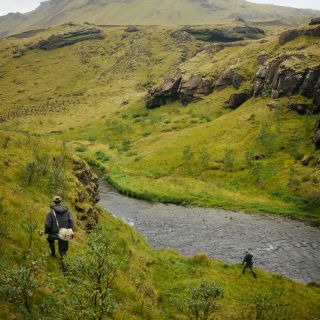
281 246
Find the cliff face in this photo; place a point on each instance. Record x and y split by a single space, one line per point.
87 195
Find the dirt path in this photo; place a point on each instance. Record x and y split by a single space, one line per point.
281 246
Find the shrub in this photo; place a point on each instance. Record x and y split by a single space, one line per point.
205 157
206 118
187 154
201 302
266 138
30 172
81 148
249 156
271 305
228 159
92 276
100 155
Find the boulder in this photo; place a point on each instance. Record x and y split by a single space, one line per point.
289 35
237 99
167 92
314 21
196 85
227 78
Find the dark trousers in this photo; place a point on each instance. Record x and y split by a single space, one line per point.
62 245
250 266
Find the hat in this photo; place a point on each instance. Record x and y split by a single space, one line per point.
56 199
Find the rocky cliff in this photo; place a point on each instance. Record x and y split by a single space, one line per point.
87 195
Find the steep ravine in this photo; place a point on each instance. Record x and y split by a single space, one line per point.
287 247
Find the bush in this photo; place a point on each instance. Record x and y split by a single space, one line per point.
228 159
266 139
92 276
100 155
205 157
30 172
200 303
81 148
187 154
249 156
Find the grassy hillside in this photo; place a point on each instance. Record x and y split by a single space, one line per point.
149 284
92 95
145 12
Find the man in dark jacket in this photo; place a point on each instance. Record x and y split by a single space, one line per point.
58 217
248 263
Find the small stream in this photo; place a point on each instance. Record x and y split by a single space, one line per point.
282 246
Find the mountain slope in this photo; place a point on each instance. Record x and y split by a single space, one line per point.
204 154
143 12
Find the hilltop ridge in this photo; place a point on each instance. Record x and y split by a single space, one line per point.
144 12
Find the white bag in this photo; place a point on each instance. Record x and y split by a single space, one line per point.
63 234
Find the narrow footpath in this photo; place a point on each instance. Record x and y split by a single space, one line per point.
281 246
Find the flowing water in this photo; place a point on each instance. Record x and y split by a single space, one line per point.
282 246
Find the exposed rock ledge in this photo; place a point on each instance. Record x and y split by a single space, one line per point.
87 194
67 39
186 90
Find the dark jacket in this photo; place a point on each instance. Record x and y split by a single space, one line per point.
248 259
64 219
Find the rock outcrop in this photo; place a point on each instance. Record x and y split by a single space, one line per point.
225 34
196 85
280 80
188 90
87 194
316 137
316 94
314 21
292 34
289 35
237 99
227 78
167 92
67 39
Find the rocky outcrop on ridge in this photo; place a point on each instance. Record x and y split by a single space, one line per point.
224 34
187 90
314 21
281 80
67 39
292 34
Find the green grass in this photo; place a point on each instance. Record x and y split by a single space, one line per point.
92 95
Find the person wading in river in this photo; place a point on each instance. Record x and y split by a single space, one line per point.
248 263
58 217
